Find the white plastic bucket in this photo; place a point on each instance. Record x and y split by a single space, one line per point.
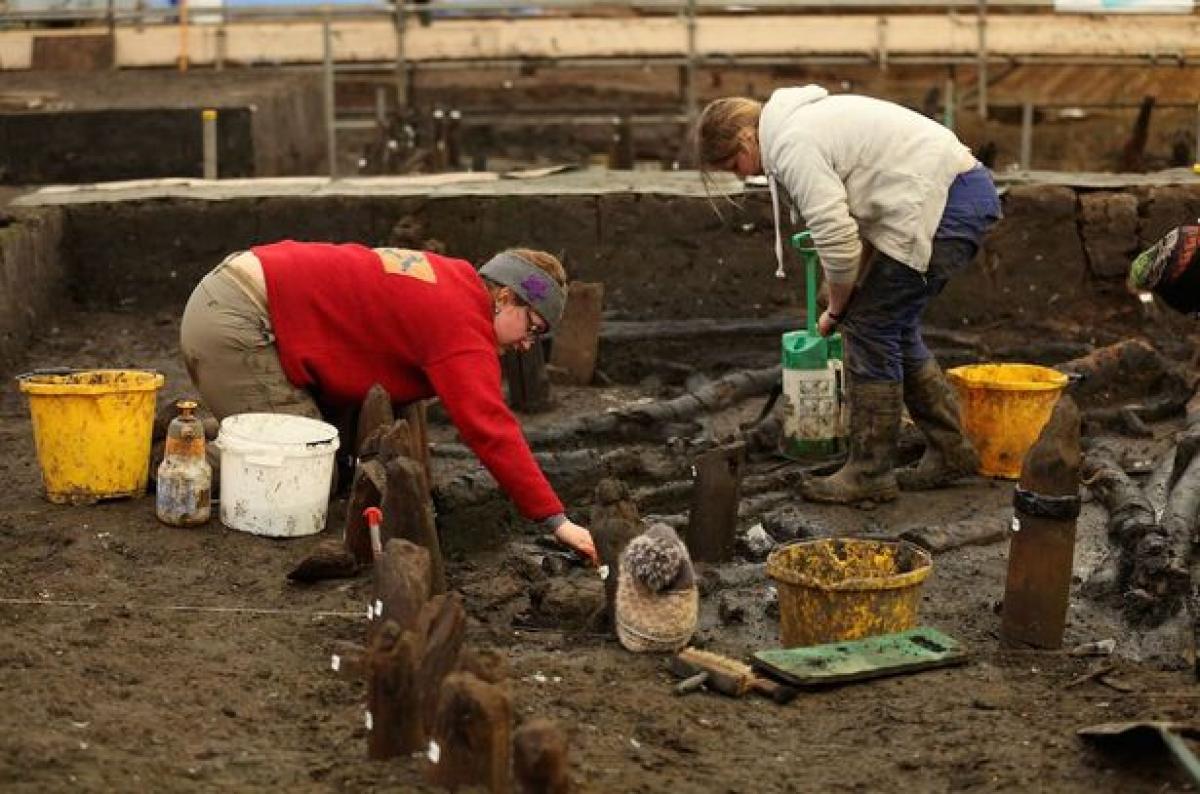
275 473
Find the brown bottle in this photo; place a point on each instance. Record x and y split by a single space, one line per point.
184 485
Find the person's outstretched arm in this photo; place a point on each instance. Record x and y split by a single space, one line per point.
469 386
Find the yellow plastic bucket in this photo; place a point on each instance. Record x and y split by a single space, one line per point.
844 588
92 429
1004 408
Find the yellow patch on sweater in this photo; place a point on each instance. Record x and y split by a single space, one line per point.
403 262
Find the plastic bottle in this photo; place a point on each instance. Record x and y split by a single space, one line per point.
184 485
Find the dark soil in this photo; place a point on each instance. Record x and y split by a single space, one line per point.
140 657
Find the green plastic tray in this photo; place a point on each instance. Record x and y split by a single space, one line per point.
921 648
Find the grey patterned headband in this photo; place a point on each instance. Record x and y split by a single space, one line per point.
534 285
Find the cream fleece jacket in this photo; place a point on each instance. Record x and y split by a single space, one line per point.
856 166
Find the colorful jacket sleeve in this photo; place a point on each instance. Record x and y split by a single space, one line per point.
469 386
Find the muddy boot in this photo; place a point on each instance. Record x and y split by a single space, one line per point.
933 406
874 428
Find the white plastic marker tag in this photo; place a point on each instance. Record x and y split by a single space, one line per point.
368 720
336 663
378 608
434 753
370 612
603 570
1016 524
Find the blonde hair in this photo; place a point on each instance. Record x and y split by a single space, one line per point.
720 130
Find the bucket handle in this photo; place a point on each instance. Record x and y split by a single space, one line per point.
266 461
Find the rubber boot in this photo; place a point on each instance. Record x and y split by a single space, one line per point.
874 429
933 406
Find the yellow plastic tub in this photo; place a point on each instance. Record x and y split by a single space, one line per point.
1004 408
845 589
92 429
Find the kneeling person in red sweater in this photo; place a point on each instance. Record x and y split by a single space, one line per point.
306 328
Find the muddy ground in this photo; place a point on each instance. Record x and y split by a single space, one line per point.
139 657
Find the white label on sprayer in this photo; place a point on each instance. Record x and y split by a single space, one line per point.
812 410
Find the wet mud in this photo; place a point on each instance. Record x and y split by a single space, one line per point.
146 657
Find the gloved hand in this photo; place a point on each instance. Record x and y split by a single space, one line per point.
578 538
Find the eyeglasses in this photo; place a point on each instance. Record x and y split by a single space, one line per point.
533 328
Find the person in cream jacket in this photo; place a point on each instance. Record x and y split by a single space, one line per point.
896 205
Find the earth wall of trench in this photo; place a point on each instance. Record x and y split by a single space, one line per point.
1057 250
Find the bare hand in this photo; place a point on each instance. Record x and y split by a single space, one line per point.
826 324
578 538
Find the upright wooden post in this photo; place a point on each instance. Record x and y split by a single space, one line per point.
614 523
712 522
376 412
443 625
417 416
330 95
393 703
471 735
183 35
540 760
401 27
1040 554
577 339
982 61
403 585
528 383
408 514
690 104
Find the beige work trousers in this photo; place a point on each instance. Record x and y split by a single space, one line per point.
229 349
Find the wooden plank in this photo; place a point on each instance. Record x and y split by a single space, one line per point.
577 340
580 37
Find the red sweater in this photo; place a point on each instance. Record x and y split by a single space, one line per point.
419 324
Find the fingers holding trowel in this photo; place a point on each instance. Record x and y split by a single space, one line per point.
579 540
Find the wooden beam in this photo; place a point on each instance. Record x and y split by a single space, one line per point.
549 38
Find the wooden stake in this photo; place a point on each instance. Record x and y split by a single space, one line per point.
540 758
712 523
408 514
614 523
472 733
402 585
1038 587
528 384
577 340
393 701
443 623
376 413
364 492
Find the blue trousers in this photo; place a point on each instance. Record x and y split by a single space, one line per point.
882 326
